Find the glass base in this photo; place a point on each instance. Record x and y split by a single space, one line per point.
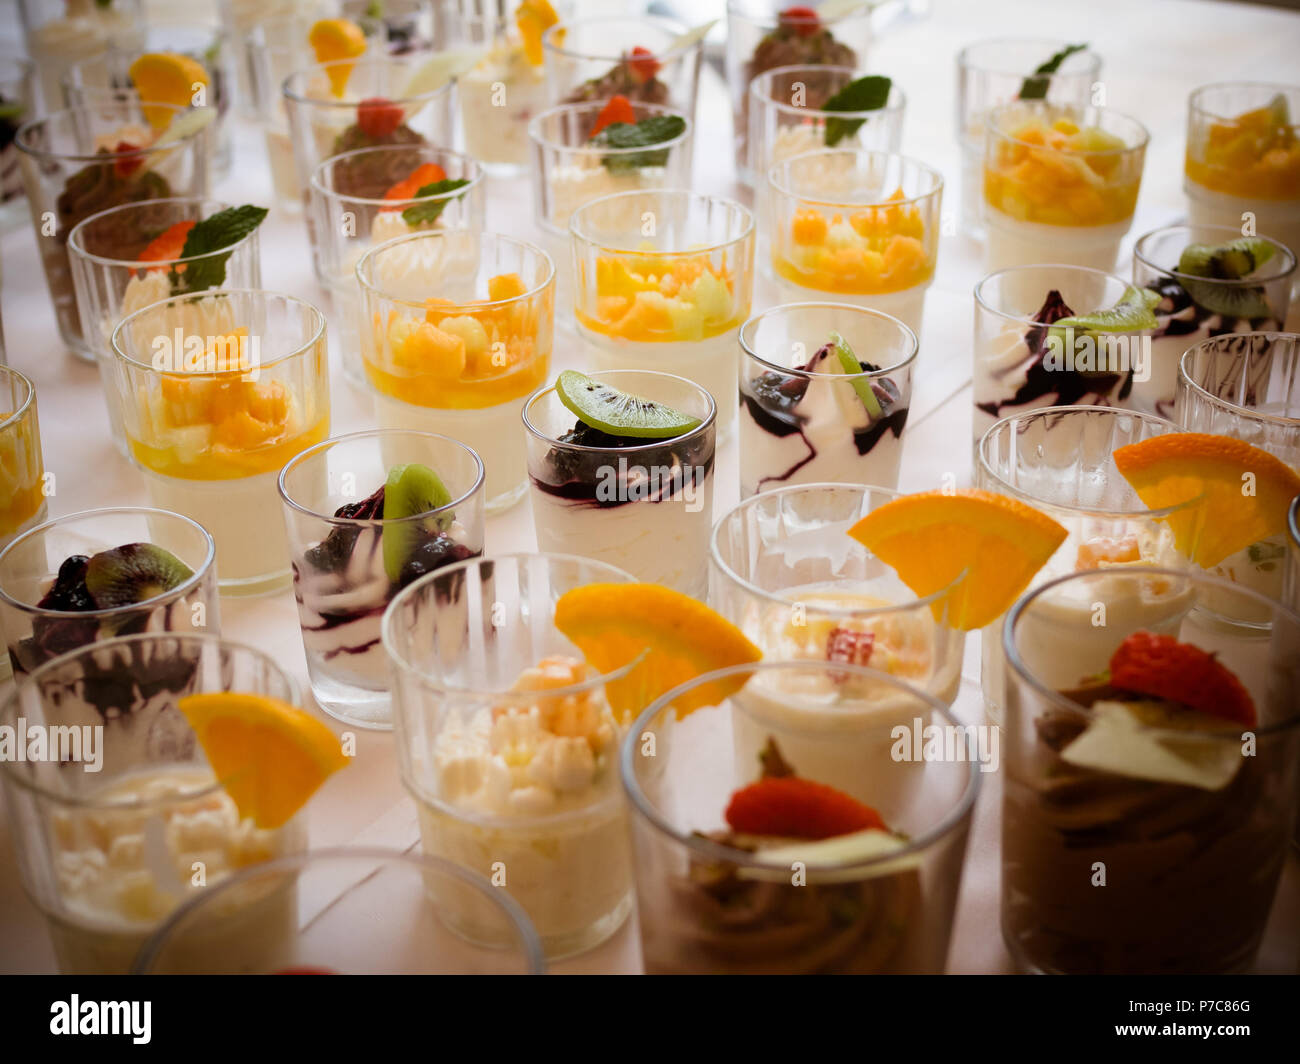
353 705
252 586
504 502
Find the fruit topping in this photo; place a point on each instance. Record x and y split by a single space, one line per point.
617 110
1105 551
1133 313
1159 666
411 490
534 18
409 187
868 93
801 21
124 163
136 572
166 78
69 593
433 553
167 245
642 64
1255 154
616 413
659 299
1232 261
333 40
378 118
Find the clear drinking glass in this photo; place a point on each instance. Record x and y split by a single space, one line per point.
58 33
994 72
662 280
276 48
645 506
22 469
217 394
72 168
480 673
859 227
17 105
809 907
349 560
1155 803
457 333
803 418
353 911
111 840
111 280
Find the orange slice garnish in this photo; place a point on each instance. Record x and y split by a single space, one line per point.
333 40
534 18
166 77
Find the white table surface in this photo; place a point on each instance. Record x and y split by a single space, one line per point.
1155 52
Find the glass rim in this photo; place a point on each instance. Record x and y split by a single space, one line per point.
1293 522
1142 134
745 214
416 589
1142 255
706 423
655 109
1057 700
916 844
736 9
675 26
474 167
20 409
75 235
813 375
1195 97
364 522
965 61
11 704
148 512
368 259
317 336
775 178
777 599
24 134
372 61
891 106
529 944
1027 319
1226 405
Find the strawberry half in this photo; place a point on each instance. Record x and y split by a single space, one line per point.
378 117
802 20
617 109
795 808
167 245
123 167
642 64
1161 667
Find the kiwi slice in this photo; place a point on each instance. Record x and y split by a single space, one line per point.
133 573
849 361
1133 313
411 490
599 406
1232 261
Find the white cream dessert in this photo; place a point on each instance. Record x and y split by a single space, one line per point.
498 98
585 178
87 28
1011 242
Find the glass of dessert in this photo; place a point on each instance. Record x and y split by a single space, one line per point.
835 848
1159 747
1060 183
78 163
59 33
611 456
456 333
1000 71
362 198
172 761
1243 156
395 897
367 514
217 394
859 227
1211 281
127 257
90 576
829 386
662 280
765 34
17 105
22 470
1025 358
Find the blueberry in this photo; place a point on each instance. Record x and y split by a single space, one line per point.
435 552
68 593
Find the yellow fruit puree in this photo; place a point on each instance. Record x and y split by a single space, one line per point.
1256 154
20 479
660 299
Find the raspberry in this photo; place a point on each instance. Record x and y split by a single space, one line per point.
802 20
642 64
795 808
617 109
1161 667
126 167
378 118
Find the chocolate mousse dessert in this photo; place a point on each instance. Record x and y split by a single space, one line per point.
635 76
380 123
11 178
800 39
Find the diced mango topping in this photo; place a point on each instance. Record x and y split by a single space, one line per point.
660 299
1256 154
534 18
166 78
20 476
333 40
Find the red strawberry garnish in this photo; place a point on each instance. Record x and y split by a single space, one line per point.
167 245
802 20
850 647
126 167
618 109
378 117
795 808
1161 667
642 64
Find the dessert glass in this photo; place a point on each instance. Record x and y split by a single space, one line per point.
352 215
859 227
470 379
459 639
994 72
1059 461
662 280
802 423
111 282
783 569
853 913
1193 309
1241 158
59 33
341 580
759 40
17 104
1016 369
22 470
107 852
217 394
354 911
276 48
34 634
69 177
645 506
1218 828
1049 200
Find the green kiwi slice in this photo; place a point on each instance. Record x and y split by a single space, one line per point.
133 573
600 406
410 490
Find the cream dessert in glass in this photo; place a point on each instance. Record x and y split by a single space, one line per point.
621 468
508 745
217 394
23 503
858 227
456 333
1060 184
662 280
824 390
59 33
18 102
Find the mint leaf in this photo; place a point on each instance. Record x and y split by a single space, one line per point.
870 93
221 230
653 130
427 213
1035 88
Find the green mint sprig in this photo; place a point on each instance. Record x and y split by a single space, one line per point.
869 93
653 130
1035 88
224 229
427 213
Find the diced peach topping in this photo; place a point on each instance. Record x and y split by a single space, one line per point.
1107 550
660 299
1256 154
